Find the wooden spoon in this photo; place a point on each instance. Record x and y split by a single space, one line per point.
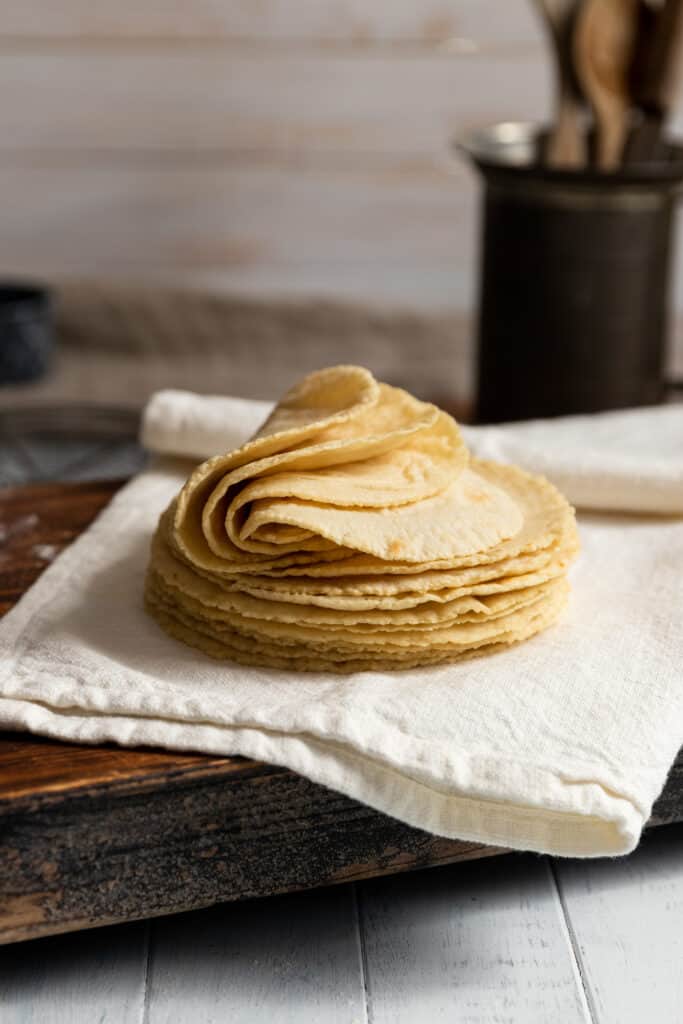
604 45
566 144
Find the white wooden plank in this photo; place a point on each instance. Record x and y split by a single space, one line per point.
90 976
626 917
191 99
356 22
405 237
483 943
288 959
420 288
386 234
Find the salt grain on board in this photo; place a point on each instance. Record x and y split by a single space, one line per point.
45 552
23 524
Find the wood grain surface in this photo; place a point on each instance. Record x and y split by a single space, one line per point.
193 101
266 147
352 23
92 835
415 926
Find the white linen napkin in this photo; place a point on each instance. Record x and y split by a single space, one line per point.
559 745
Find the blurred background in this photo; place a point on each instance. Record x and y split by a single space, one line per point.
227 193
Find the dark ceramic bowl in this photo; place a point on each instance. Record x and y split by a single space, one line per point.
26 332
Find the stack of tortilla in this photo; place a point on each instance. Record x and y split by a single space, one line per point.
354 532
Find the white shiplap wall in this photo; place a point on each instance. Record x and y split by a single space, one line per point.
284 146
279 146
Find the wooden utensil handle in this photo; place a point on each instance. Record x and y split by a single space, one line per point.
610 142
566 144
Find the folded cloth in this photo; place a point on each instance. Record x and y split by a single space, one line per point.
630 461
560 745
182 423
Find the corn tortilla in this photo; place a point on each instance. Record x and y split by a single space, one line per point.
354 531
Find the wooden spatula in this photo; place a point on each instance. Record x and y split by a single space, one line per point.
565 145
603 46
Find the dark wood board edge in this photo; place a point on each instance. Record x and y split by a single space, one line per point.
99 858
116 854
37 769
92 835
668 808
24 923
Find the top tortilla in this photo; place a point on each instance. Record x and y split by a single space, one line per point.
343 466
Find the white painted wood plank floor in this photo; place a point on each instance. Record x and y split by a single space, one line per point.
519 939
512 940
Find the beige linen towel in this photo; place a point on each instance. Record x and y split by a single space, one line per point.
560 745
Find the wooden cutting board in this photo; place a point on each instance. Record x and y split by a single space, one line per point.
95 835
